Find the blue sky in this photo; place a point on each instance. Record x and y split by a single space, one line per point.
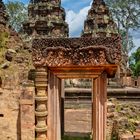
76 12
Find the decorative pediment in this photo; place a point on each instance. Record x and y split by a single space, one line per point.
55 52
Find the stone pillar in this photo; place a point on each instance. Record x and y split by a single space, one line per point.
62 108
27 119
41 110
99 107
54 107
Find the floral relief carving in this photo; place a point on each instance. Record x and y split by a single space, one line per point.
79 51
38 58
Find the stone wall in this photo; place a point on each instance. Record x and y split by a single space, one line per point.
27 109
124 121
136 82
15 63
17 113
9 115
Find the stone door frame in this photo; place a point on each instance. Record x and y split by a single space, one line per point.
50 80
64 58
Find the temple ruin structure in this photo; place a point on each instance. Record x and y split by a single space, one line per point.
46 19
57 57
34 110
99 22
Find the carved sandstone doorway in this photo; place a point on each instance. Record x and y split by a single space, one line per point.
60 58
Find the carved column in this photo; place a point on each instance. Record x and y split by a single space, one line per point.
99 107
41 97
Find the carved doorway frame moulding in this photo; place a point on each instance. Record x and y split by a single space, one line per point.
57 59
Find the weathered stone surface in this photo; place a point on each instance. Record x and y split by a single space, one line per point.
13 75
76 119
137 135
27 122
5 65
63 52
127 137
9 122
10 53
49 20
99 22
137 132
19 59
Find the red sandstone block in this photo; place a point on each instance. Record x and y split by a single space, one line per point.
27 125
136 133
138 130
127 137
137 138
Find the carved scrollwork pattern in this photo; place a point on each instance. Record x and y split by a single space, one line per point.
76 51
37 57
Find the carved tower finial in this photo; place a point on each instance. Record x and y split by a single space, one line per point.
46 19
3 14
99 22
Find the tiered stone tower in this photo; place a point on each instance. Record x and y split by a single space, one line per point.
46 19
3 14
99 22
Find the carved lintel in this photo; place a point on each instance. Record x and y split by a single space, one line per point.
76 52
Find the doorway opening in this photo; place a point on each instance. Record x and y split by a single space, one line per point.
77 109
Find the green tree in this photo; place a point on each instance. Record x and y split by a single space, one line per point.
129 41
134 62
127 16
17 12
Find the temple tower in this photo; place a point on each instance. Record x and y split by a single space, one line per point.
46 19
3 14
99 22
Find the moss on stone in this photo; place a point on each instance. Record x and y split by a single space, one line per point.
3 39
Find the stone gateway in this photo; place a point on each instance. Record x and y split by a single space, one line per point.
95 55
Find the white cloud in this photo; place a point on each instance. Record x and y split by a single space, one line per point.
76 23
76 20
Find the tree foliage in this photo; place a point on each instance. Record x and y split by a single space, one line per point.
17 12
126 13
134 62
126 49
127 16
